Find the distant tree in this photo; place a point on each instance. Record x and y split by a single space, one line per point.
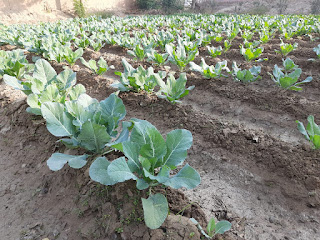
282 6
315 6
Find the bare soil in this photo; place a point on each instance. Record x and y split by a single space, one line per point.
257 169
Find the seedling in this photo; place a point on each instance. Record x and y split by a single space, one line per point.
288 76
213 228
173 89
312 133
250 75
99 67
286 48
210 72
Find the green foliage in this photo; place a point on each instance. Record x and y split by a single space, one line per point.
213 228
148 160
84 123
139 52
99 67
214 52
288 76
250 75
79 8
210 72
170 6
312 133
227 45
173 89
251 53
72 56
148 4
137 79
14 63
46 85
286 48
157 58
180 56
317 51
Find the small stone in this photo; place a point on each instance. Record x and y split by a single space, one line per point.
76 68
55 233
23 165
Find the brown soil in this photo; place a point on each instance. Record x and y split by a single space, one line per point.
257 169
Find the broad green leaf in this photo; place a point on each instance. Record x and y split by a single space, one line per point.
80 114
131 151
222 227
113 106
187 177
99 171
139 132
13 82
59 123
119 170
155 210
211 227
316 141
76 91
33 101
37 86
36 111
155 147
142 184
302 129
58 160
50 94
66 79
93 136
43 71
312 127
178 142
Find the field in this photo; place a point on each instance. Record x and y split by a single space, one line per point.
257 170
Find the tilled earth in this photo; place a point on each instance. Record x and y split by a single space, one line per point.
257 169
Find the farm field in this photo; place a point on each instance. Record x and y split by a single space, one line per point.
257 170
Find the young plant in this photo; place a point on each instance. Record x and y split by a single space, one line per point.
138 52
251 53
96 44
210 72
250 75
180 56
174 89
148 160
14 63
157 58
72 56
46 86
213 228
288 76
214 52
86 123
82 42
317 51
247 35
227 45
312 133
286 48
137 79
99 67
